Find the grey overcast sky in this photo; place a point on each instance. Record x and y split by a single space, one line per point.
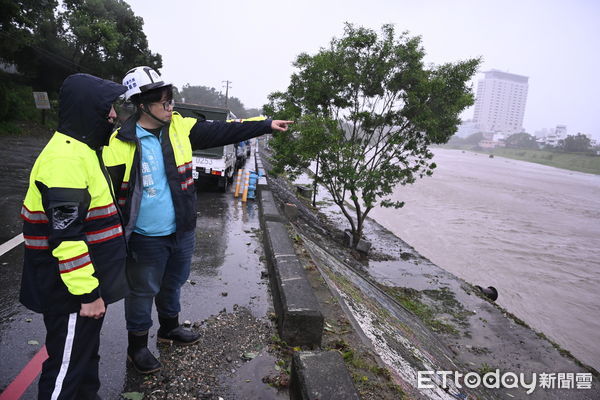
556 43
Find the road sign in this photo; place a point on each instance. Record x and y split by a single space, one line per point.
41 100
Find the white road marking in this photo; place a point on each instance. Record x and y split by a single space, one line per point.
12 243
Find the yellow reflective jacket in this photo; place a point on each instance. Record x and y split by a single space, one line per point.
122 159
74 244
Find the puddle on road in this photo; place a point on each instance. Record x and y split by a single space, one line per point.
227 266
246 383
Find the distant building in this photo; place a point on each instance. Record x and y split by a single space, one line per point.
492 140
500 102
552 137
542 133
561 131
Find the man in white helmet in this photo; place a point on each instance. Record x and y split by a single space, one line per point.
150 162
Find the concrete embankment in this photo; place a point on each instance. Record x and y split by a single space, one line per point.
300 322
435 322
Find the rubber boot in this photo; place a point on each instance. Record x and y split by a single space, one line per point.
171 331
138 353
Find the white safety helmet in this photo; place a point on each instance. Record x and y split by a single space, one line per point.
140 80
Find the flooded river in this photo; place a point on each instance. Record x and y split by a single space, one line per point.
531 231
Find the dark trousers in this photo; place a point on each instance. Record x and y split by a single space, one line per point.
71 370
157 268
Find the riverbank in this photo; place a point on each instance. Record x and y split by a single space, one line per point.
240 355
587 163
441 317
529 230
443 324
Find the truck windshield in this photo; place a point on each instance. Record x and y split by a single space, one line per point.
216 152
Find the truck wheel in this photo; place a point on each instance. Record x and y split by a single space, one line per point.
223 184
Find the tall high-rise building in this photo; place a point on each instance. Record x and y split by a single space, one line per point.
500 102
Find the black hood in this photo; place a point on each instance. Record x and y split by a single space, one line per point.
85 102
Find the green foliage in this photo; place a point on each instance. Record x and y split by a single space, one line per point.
367 109
410 299
9 127
106 37
575 144
132 396
48 42
521 141
16 102
589 163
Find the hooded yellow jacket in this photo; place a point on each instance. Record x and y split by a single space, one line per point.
74 244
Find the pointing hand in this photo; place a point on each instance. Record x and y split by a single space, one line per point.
279 125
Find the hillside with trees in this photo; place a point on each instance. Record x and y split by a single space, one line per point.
209 96
43 42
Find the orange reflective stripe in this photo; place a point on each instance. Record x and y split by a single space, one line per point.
122 200
36 242
101 212
74 263
182 168
104 234
187 183
34 217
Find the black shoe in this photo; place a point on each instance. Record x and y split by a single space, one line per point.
178 335
142 359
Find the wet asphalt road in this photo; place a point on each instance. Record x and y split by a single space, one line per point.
226 270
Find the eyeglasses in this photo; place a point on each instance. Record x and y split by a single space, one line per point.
168 104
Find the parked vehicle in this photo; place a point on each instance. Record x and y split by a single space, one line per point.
217 164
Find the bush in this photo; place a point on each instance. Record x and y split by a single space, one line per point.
9 127
16 102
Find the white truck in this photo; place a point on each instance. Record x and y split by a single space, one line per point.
217 164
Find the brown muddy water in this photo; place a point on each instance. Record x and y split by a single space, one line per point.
529 230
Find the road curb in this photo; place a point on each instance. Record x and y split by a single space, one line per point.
299 318
318 375
315 374
267 208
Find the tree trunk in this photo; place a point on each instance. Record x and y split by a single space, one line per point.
314 201
356 236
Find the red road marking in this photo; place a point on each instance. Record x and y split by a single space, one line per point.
26 377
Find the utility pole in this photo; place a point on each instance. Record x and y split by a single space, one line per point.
227 83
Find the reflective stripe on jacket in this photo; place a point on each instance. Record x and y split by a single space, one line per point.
122 159
74 244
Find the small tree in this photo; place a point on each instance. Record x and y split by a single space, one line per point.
367 110
521 141
575 143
